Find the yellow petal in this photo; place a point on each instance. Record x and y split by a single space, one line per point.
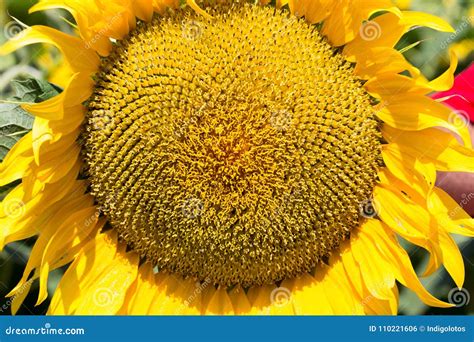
384 86
16 162
377 278
97 20
191 290
51 149
139 297
240 301
386 31
73 118
281 3
45 130
51 171
346 18
74 202
420 177
371 304
41 134
382 60
78 225
175 296
48 131
432 146
405 217
106 291
341 295
308 296
161 5
398 262
220 303
19 297
375 306
195 6
144 9
22 223
413 112
77 91
452 258
270 300
96 256
409 219
464 227
412 18
314 11
77 56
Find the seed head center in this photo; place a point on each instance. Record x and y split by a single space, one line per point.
235 150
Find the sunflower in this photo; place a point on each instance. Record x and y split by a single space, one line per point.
235 157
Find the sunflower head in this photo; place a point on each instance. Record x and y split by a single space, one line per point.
207 158
217 155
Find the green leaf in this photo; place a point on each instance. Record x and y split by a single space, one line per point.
33 90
